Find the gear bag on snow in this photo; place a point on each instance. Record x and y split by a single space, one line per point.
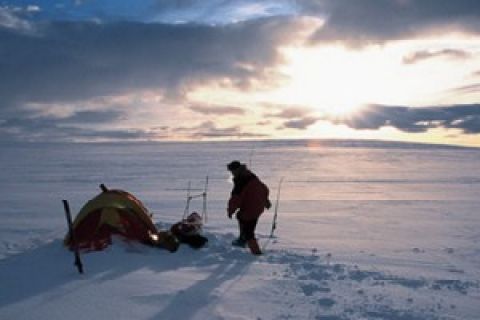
189 231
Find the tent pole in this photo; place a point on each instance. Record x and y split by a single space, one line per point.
78 262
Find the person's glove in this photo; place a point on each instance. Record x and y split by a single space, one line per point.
230 215
268 205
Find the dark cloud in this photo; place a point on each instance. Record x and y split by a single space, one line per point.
294 117
36 122
217 110
426 54
208 129
94 117
409 119
72 61
112 135
48 129
371 21
300 124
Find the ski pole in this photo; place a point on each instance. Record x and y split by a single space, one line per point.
204 210
274 222
78 262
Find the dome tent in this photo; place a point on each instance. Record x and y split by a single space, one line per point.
116 212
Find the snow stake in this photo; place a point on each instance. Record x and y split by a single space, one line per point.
274 222
78 262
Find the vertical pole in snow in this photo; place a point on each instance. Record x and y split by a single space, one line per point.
205 199
78 262
274 223
189 198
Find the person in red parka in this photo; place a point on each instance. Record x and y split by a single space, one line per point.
248 199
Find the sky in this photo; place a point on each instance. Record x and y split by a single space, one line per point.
129 70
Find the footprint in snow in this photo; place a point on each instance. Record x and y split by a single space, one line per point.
449 250
326 302
310 289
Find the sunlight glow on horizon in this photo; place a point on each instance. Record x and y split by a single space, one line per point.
336 82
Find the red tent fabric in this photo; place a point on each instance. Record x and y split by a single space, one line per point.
114 212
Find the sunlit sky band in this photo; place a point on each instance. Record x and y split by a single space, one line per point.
196 70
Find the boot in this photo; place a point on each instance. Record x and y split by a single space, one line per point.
239 242
254 247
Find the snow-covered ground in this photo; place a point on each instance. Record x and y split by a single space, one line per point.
366 230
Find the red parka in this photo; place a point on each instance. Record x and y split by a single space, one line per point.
249 196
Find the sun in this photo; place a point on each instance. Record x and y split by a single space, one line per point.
329 80
336 81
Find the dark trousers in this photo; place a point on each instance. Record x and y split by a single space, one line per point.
247 228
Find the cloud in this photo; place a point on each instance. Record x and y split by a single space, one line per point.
76 127
208 129
62 66
33 8
408 119
75 61
165 11
220 11
81 117
294 117
300 124
217 110
72 70
468 89
264 123
10 19
290 112
427 54
361 22
95 117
